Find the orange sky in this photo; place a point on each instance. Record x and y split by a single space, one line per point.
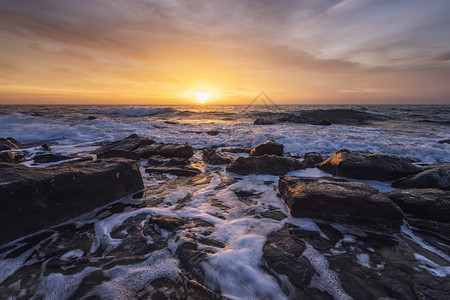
162 52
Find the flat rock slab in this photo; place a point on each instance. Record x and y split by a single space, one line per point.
431 204
340 201
32 199
438 178
266 164
129 143
367 165
167 150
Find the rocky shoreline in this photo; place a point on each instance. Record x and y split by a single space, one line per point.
36 198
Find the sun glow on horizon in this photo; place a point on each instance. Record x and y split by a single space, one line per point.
202 96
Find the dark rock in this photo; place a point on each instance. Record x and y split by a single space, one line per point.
367 165
311 159
324 122
430 226
237 150
444 142
91 118
12 157
438 178
282 255
263 122
213 132
426 286
274 215
130 143
190 261
244 193
267 164
160 161
186 171
10 144
432 204
46 147
340 201
36 198
168 222
270 147
213 157
119 153
166 150
361 282
47 158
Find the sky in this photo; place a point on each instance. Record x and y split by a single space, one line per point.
163 52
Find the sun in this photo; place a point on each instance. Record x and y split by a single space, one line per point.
202 97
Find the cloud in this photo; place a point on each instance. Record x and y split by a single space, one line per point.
289 45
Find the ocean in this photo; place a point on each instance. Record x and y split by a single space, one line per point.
411 131
104 254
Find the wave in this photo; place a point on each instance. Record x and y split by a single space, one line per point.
129 111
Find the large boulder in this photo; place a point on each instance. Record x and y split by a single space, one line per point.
340 201
431 204
213 157
130 143
166 150
270 147
367 165
32 199
438 177
266 164
10 144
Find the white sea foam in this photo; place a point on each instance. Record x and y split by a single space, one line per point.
432 267
327 280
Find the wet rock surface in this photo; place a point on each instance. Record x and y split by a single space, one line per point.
213 157
266 164
270 148
118 153
237 150
437 177
10 144
12 157
367 165
341 202
311 159
166 150
35 198
184 171
431 204
129 143
47 158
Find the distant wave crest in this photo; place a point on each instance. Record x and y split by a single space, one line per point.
129 111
